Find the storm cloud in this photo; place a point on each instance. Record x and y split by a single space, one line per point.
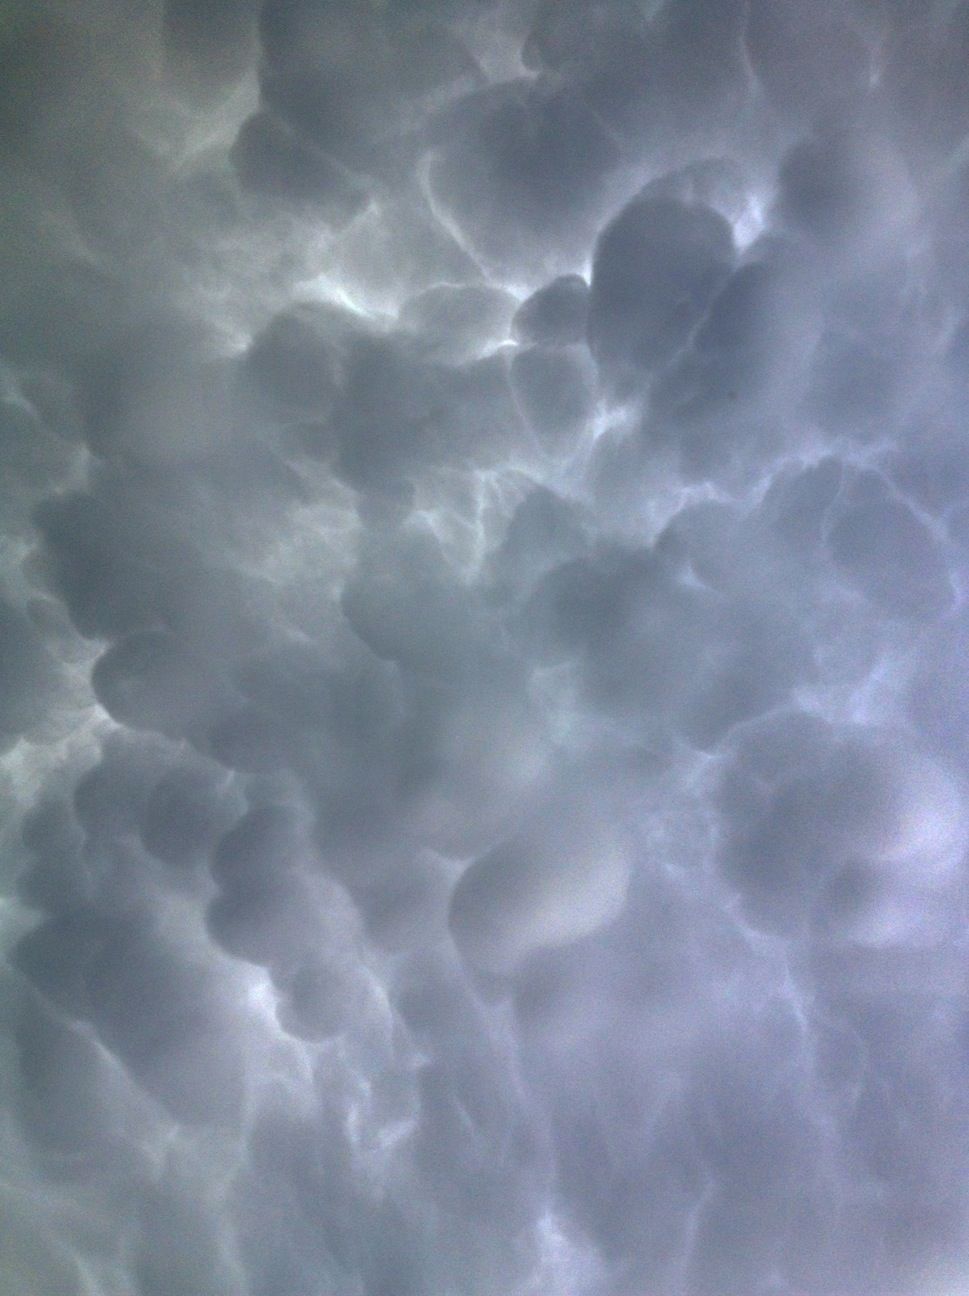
484 537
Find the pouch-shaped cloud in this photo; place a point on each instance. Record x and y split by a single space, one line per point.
656 268
561 878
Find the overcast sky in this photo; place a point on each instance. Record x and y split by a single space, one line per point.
484 715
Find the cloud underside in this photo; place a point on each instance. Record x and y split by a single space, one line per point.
484 510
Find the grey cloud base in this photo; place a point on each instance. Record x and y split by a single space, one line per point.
484 524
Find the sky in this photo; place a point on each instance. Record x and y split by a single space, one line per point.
484 724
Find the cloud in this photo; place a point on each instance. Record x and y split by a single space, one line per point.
483 764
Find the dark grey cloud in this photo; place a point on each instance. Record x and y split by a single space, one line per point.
520 169
809 59
484 506
657 266
554 315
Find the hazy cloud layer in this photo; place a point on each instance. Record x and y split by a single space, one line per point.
483 714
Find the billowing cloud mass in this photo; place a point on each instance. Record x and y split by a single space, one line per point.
484 719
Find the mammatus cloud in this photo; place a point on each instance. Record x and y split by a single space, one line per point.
485 505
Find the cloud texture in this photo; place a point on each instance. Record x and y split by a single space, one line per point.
484 490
